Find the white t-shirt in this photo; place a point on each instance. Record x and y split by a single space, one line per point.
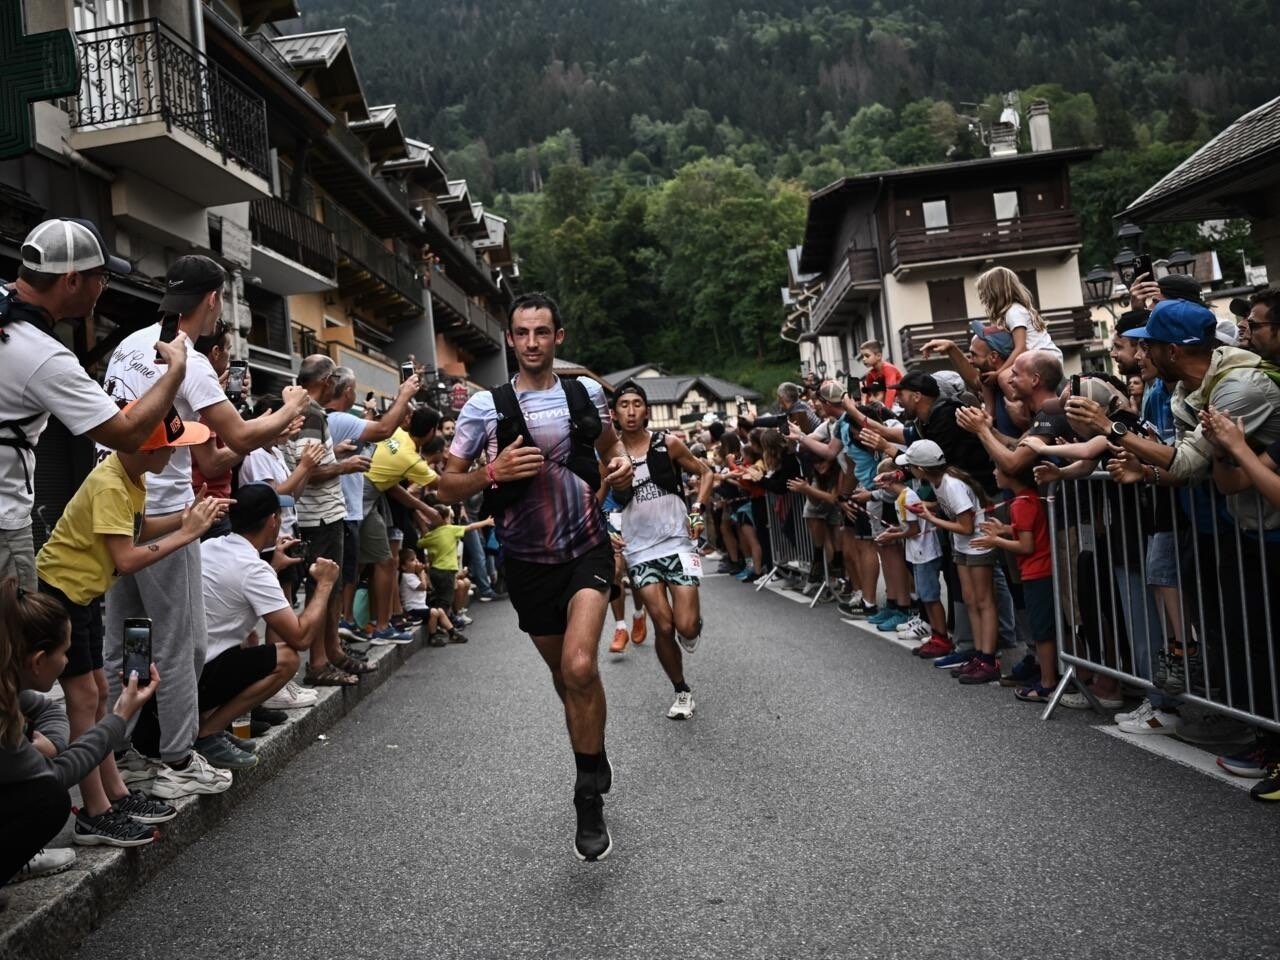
1019 316
413 592
239 589
131 372
39 377
955 497
266 465
925 546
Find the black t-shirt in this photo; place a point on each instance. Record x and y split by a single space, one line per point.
961 448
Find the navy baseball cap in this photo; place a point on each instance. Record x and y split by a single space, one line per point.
254 503
1000 341
1178 321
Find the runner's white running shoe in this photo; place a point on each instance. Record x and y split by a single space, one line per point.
683 708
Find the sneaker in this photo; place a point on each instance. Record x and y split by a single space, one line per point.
488 596
934 647
604 776
110 829
248 746
743 574
683 708
225 755
1252 763
1152 723
881 615
639 629
349 631
620 638
592 841
811 587
135 768
915 629
197 777
460 619
983 671
970 662
291 697
892 622
726 566
438 639
389 635
955 658
1268 788
136 805
1214 730
1171 672
1141 713
45 864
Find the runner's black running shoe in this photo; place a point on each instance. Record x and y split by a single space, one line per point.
592 841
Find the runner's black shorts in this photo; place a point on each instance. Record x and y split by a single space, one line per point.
541 592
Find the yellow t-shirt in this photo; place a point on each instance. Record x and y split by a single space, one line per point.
441 544
75 558
396 458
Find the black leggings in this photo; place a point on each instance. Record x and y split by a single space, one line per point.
31 814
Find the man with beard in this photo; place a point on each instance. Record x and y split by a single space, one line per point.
547 443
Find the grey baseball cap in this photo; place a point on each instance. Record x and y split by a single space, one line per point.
67 245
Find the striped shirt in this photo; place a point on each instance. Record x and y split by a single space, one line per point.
559 519
321 501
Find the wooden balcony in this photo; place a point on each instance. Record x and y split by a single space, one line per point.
1069 327
474 326
858 272
298 239
375 277
983 239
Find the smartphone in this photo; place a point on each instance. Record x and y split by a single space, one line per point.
235 379
742 406
1142 265
168 332
137 649
406 371
853 386
384 404
1075 384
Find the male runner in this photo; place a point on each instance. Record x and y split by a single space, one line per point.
542 436
661 558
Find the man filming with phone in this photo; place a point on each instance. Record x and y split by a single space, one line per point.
169 591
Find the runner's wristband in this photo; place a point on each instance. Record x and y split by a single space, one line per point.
493 477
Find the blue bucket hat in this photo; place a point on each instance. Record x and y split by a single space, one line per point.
1180 322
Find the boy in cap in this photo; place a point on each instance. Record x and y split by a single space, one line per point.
65 267
169 592
97 539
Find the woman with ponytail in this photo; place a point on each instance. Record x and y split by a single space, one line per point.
37 767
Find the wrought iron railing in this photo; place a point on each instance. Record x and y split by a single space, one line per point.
143 70
289 232
306 343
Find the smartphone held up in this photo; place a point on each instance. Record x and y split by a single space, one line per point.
137 649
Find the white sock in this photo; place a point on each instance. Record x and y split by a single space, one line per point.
622 625
639 614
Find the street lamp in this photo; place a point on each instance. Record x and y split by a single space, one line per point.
1099 282
1130 234
1182 263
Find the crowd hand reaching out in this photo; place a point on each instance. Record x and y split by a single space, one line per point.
994 528
1124 466
295 398
1144 290
313 453
1223 432
973 419
223 504
1087 416
409 388
1033 442
133 696
940 345
798 485
324 570
354 465
983 541
1047 473
201 515
280 559
873 441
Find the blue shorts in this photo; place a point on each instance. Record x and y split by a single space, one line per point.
1162 560
928 580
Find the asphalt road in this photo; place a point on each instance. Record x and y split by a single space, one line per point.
834 797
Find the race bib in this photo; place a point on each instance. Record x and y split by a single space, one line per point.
691 564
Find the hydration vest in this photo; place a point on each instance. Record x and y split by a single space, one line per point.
661 470
584 431
12 309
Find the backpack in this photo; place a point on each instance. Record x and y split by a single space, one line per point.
584 431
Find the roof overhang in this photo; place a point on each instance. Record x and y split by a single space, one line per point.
326 57
422 164
382 134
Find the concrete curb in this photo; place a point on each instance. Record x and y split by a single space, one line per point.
46 919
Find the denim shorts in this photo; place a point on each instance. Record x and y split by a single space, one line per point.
928 580
1162 560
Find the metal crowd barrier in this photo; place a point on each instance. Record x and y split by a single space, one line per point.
791 545
1222 583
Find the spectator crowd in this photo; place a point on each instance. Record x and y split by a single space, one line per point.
226 556
229 554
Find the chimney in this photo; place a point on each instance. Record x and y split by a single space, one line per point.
1041 137
1004 139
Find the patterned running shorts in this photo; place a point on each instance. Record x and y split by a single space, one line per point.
663 570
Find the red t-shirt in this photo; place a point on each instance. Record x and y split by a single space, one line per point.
889 375
1026 512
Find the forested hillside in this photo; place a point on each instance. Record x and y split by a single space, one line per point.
651 117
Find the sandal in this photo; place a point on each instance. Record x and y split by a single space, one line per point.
329 676
357 667
1034 693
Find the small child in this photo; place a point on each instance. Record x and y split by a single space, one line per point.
413 597
924 553
441 543
1027 538
1009 306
